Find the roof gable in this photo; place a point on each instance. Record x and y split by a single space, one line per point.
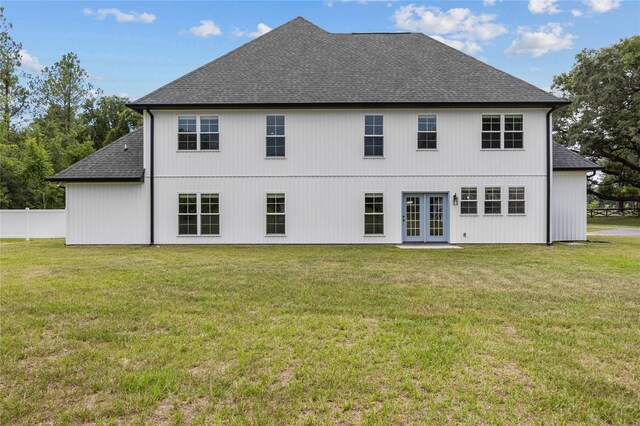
300 63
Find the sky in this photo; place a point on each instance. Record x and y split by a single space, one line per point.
131 48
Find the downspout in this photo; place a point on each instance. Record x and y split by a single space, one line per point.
549 171
151 178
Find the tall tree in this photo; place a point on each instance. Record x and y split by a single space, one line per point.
64 85
603 120
14 95
107 118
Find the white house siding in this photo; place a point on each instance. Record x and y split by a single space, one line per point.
569 206
325 176
100 213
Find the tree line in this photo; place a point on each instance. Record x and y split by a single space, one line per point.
56 118
50 121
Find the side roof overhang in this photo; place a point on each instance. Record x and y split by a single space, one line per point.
120 161
566 160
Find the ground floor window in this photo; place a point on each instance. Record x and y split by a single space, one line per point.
469 200
276 219
373 214
516 200
202 209
492 200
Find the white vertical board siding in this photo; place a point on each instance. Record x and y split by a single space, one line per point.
569 206
114 213
331 209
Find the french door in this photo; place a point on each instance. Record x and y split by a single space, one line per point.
425 217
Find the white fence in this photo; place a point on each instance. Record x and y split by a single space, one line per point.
33 223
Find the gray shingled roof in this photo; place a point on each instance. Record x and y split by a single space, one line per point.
565 159
110 164
300 63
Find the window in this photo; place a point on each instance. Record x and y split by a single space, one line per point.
427 136
208 208
373 214
275 214
209 135
469 201
187 214
513 132
373 136
275 136
209 214
187 134
490 132
492 201
516 200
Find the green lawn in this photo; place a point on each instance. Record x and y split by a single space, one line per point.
301 335
602 222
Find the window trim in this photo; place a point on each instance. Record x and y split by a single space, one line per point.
503 130
482 115
284 136
364 213
418 131
524 200
365 135
484 200
198 213
469 201
197 132
266 213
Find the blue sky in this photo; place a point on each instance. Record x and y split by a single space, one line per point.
131 48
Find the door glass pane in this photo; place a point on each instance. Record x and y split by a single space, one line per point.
436 216
412 213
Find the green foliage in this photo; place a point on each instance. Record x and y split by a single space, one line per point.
71 120
603 121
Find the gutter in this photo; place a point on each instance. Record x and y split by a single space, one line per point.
151 239
549 171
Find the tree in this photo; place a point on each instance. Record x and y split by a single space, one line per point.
107 118
63 85
14 96
603 120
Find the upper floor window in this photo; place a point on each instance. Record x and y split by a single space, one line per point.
427 132
275 136
492 200
516 200
187 133
209 133
513 131
276 218
373 136
208 139
469 200
491 132
373 214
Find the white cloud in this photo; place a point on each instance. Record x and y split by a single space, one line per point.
548 38
602 6
261 29
102 14
206 28
576 12
457 27
489 2
30 62
543 6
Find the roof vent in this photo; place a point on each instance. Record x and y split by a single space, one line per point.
125 147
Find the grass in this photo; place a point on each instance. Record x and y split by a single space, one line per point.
306 335
603 222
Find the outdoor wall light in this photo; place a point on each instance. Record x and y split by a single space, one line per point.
455 199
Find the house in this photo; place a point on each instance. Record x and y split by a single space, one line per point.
302 136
